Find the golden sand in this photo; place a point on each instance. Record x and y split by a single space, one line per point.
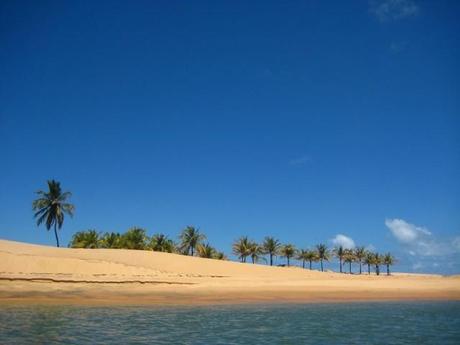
33 273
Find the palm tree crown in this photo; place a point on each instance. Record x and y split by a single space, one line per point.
134 238
161 243
51 207
271 246
288 251
241 248
206 251
111 240
190 239
86 239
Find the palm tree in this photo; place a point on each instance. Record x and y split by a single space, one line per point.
302 255
190 238
360 254
161 243
288 251
111 240
85 239
52 206
377 261
241 248
369 260
323 254
388 260
134 238
339 252
255 251
271 246
311 256
205 251
348 257
220 256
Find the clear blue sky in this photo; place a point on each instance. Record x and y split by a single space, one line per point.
302 120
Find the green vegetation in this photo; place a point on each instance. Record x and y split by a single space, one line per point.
241 248
190 238
339 252
388 260
323 254
288 251
271 246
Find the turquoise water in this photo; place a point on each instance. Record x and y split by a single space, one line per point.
356 323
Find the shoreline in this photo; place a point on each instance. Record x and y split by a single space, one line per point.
33 274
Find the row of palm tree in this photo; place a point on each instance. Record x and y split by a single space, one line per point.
244 248
51 207
191 242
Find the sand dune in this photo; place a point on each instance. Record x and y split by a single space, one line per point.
33 273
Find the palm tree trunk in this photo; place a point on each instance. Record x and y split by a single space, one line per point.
360 267
350 267
368 269
310 265
377 270
303 264
253 259
340 259
191 249
322 265
388 270
288 260
55 234
271 259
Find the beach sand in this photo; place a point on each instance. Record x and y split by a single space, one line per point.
40 274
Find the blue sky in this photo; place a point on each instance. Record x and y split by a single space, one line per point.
303 120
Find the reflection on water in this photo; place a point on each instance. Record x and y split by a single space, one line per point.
359 323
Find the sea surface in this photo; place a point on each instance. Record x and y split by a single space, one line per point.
354 323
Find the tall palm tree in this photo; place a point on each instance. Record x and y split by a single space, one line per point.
349 257
302 256
377 261
161 243
255 251
360 254
51 207
323 254
339 252
111 240
190 238
271 246
288 251
311 256
388 260
204 250
241 248
85 239
134 238
369 260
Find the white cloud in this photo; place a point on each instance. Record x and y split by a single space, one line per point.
344 241
405 232
386 10
419 241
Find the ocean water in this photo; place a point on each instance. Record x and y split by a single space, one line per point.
354 323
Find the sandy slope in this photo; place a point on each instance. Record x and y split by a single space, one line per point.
55 275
